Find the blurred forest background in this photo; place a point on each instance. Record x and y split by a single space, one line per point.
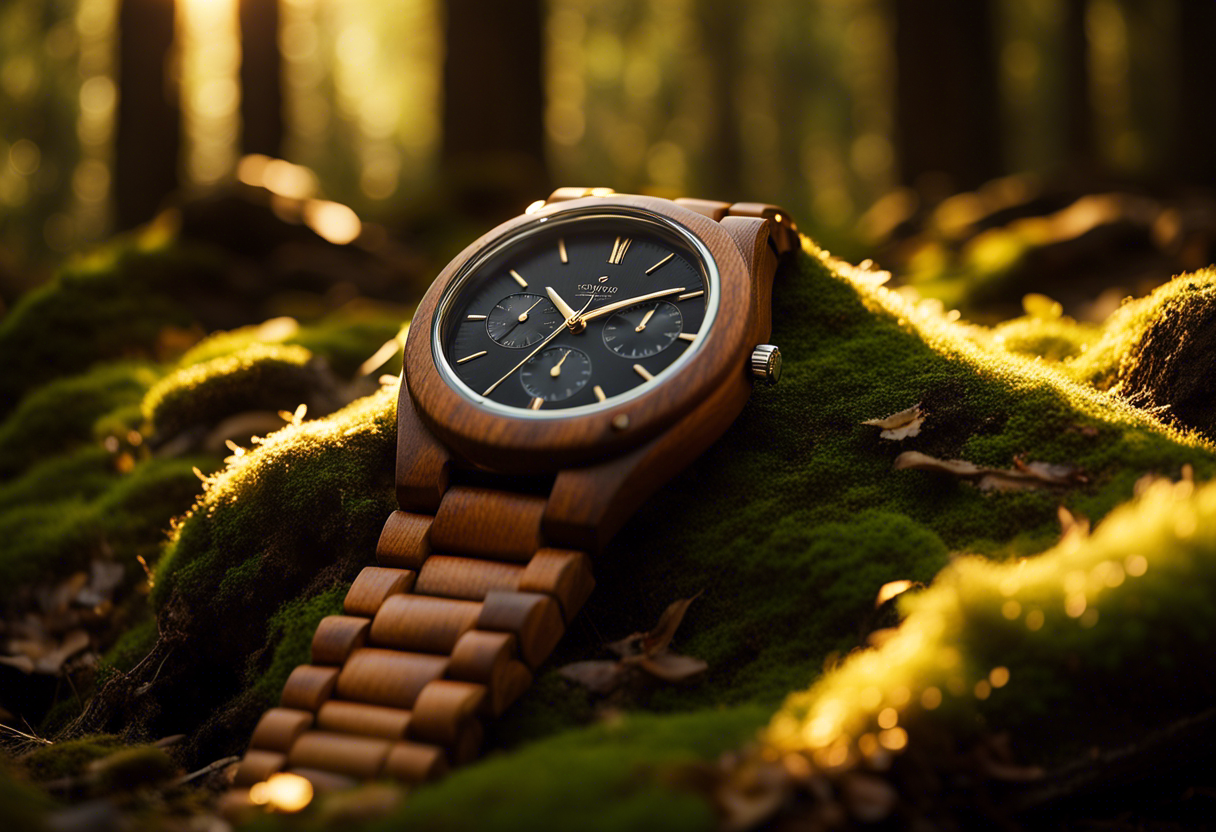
861 116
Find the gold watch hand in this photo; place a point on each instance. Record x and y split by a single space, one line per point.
645 320
621 304
524 316
556 369
548 338
562 306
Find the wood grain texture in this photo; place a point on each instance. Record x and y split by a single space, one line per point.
561 573
412 762
388 677
444 710
337 636
279 727
535 619
423 465
515 445
488 523
258 765
467 578
405 540
359 757
423 624
308 686
373 585
366 720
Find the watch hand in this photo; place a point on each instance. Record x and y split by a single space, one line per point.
599 312
556 369
548 338
562 306
645 320
524 316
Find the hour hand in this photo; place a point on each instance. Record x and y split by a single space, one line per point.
563 307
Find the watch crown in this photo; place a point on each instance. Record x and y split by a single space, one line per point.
766 363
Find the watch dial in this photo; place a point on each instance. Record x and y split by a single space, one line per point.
635 288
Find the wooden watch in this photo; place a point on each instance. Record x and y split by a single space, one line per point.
558 371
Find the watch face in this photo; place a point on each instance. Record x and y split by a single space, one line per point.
575 312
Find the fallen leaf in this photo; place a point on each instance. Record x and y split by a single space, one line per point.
656 640
602 677
23 663
73 643
899 425
672 667
1026 475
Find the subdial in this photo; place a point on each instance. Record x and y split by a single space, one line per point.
522 319
556 373
643 330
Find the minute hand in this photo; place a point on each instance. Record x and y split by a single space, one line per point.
599 312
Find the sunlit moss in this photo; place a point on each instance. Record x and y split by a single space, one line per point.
61 414
1054 339
259 377
1006 644
1110 357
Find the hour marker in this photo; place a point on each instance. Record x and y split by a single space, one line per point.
476 318
536 403
561 249
470 357
661 262
599 392
618 250
519 279
688 295
642 371
687 336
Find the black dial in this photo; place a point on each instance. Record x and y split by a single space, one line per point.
522 319
605 272
555 374
643 330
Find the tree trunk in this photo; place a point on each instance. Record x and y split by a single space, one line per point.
720 24
1078 116
148 132
1194 161
947 112
493 119
261 78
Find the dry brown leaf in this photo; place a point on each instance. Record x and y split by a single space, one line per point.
23 663
672 667
602 677
73 643
1025 475
899 425
645 651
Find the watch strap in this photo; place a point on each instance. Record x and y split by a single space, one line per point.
445 631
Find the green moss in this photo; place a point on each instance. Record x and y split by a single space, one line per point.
133 768
86 472
1108 359
1026 645
112 304
612 776
61 414
22 807
351 335
130 517
130 649
290 629
258 377
1054 339
69 758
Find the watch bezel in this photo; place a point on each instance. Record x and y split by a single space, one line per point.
504 439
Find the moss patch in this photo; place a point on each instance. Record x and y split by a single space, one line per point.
69 758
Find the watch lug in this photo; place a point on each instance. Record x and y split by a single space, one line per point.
423 465
751 235
588 505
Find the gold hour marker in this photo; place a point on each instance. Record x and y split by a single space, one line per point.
519 279
536 403
561 249
642 371
687 336
476 318
661 262
599 392
618 250
470 357
688 295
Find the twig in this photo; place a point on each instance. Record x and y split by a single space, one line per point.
218 764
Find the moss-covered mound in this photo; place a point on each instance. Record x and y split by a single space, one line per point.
788 527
